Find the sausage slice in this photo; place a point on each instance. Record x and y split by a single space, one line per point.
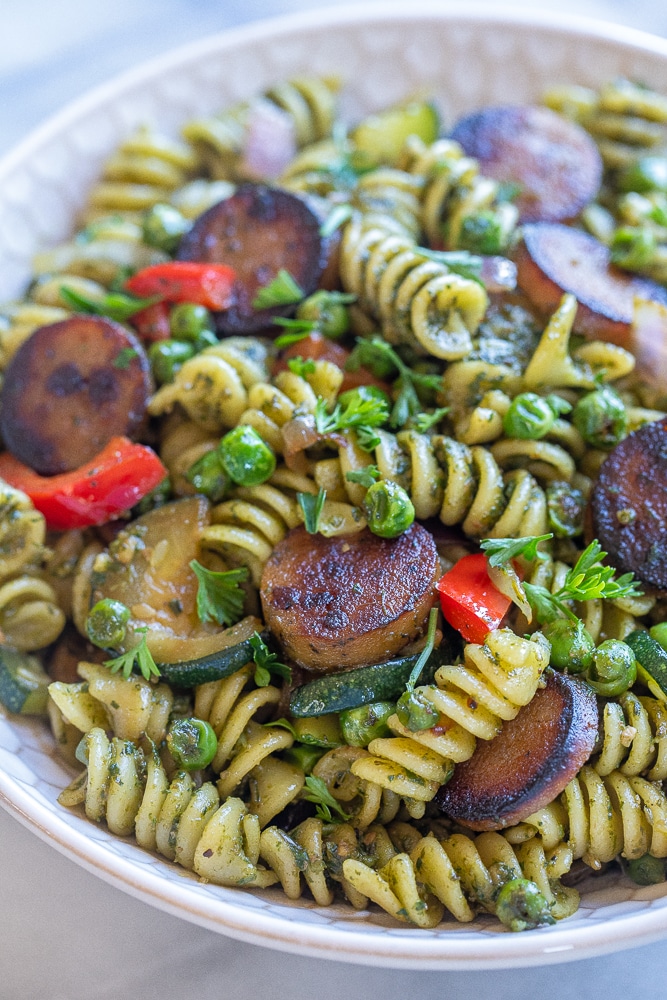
555 163
554 259
348 601
629 504
531 760
69 389
258 231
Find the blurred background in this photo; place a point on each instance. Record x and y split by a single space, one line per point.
54 51
66 934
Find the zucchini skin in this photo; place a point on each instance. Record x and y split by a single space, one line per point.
214 667
364 685
650 655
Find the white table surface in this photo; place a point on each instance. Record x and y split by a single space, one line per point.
64 934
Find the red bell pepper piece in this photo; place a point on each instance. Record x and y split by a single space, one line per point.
97 492
470 602
152 323
209 285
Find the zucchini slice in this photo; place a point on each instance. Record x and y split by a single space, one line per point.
651 662
24 686
381 137
224 662
363 685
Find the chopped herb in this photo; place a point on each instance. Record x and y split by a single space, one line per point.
413 708
317 792
587 580
423 422
338 216
359 411
124 358
220 597
282 291
115 305
365 477
500 551
311 505
141 655
302 366
266 662
300 329
383 361
462 262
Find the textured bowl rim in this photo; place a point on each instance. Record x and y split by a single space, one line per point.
413 948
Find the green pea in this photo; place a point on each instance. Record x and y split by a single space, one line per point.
366 723
614 668
106 623
208 476
188 321
572 646
648 173
659 633
192 743
646 870
305 757
163 226
166 357
328 310
566 506
388 509
633 247
520 906
600 417
246 459
483 233
529 417
416 712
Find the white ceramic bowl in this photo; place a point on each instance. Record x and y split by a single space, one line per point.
466 57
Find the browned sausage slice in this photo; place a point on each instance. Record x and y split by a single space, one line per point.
629 504
554 259
555 163
348 601
69 389
529 763
258 231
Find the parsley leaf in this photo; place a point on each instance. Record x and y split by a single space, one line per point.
359 411
282 291
266 662
115 305
219 595
365 477
317 792
141 655
384 362
500 551
423 422
302 366
311 505
587 580
462 262
337 217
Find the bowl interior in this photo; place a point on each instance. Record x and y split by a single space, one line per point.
465 59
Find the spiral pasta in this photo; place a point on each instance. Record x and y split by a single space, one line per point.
634 737
455 193
603 816
418 301
301 110
472 699
459 874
